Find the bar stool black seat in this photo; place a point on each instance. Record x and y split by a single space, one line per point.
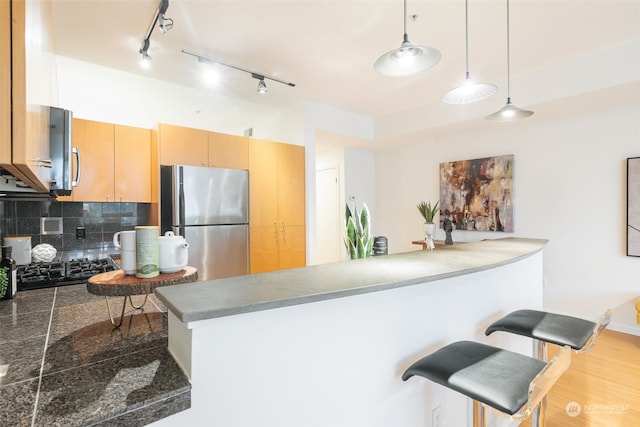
545 327
579 334
508 382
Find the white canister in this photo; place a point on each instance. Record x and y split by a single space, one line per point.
20 248
174 252
147 258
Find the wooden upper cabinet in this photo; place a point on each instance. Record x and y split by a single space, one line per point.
5 83
33 89
228 151
180 145
132 164
116 163
94 140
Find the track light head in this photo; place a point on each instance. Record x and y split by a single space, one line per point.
262 87
145 61
166 24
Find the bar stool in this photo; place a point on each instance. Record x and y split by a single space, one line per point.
544 327
510 383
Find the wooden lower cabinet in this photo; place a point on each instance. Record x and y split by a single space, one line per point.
272 248
263 249
293 250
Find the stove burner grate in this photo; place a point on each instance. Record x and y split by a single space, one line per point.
48 274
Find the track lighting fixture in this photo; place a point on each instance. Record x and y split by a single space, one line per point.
165 25
510 111
407 59
469 91
262 86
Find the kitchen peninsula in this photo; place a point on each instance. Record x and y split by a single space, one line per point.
326 344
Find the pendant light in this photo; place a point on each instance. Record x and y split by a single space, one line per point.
510 111
469 91
407 59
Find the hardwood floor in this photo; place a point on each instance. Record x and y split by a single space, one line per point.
601 387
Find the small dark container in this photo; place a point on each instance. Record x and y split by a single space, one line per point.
380 246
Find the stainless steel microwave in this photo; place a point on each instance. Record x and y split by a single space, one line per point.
61 181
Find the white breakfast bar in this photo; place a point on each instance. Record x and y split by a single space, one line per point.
326 345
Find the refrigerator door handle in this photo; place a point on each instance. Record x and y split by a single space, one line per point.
181 215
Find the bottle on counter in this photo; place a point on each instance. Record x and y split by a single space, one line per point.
8 275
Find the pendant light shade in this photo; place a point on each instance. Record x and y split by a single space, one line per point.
469 91
510 111
408 59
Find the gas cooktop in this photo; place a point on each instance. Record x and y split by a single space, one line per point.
48 274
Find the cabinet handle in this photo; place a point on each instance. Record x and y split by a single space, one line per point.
275 230
76 151
282 223
108 197
46 163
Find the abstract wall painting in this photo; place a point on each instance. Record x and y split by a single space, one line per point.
477 195
633 206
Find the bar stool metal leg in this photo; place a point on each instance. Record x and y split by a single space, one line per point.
479 415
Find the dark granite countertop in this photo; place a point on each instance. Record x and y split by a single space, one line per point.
243 294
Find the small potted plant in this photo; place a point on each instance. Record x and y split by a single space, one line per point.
429 212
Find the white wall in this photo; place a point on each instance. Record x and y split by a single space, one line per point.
570 187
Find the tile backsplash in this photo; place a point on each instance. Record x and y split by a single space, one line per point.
101 221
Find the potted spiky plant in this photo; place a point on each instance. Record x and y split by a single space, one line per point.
358 240
429 212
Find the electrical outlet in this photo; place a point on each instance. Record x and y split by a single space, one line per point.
80 233
436 417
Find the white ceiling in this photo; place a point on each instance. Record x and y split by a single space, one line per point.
327 48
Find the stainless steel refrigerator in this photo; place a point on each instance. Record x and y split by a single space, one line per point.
209 207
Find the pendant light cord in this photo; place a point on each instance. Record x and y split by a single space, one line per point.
466 32
406 37
508 59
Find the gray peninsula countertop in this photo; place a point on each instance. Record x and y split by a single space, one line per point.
243 294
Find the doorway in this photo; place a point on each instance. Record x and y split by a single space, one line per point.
328 216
